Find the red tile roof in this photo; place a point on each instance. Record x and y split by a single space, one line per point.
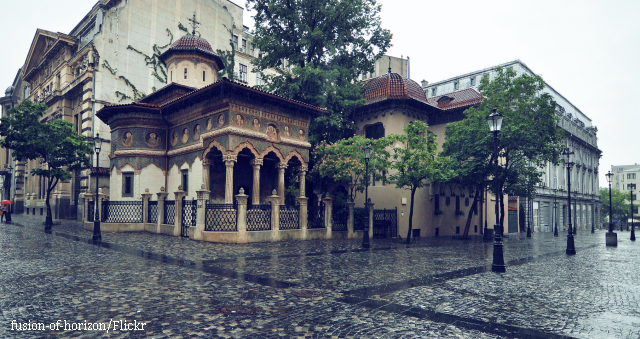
192 43
463 98
392 86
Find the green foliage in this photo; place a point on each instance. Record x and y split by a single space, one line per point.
620 205
228 58
529 137
343 162
414 161
325 46
55 142
105 64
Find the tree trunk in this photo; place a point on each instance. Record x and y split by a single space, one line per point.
413 193
49 219
470 215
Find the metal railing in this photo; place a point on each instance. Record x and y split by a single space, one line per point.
316 216
121 211
259 218
169 212
152 212
189 212
290 217
385 223
220 218
339 218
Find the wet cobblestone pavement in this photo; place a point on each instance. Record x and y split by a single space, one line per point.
433 288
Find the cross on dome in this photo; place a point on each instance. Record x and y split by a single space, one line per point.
194 23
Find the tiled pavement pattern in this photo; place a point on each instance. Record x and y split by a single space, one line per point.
183 289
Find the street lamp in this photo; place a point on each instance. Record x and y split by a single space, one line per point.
48 222
568 160
632 187
365 234
97 145
555 208
495 124
529 223
611 238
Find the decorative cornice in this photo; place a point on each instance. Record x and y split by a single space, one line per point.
140 152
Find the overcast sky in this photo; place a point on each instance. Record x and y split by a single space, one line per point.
588 51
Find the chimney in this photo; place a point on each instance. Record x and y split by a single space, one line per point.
424 83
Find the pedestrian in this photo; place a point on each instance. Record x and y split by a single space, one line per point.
3 212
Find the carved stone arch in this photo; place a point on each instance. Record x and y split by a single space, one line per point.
213 144
125 163
249 145
152 163
273 149
451 189
296 154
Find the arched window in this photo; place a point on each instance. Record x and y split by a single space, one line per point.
374 131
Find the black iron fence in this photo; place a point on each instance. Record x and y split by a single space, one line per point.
169 212
189 215
121 211
259 218
220 218
290 217
360 218
385 223
152 212
339 218
91 207
315 216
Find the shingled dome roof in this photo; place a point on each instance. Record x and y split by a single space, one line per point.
392 86
192 43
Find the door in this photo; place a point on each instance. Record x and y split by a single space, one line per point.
513 221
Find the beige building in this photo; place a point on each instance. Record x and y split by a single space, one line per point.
623 175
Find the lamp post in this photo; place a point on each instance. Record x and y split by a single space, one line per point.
97 236
571 249
632 187
528 223
495 124
611 237
365 234
48 222
555 209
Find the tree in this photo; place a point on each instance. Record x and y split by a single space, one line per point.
413 161
319 48
228 58
619 206
343 162
529 138
55 142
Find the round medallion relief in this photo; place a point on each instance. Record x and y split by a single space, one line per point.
174 138
152 139
127 138
301 134
272 133
256 124
185 135
196 132
209 124
239 120
220 121
287 131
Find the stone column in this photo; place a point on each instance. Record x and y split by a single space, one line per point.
350 229
146 196
303 177
328 223
370 206
229 161
203 197
101 197
274 199
162 196
86 197
256 163
281 167
303 216
206 169
242 198
177 224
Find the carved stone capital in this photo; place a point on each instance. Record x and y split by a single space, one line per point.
281 165
257 162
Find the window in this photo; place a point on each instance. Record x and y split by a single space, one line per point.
252 50
631 175
373 178
473 81
185 180
375 131
171 75
244 46
486 75
455 85
243 73
185 74
436 203
235 42
457 203
434 91
127 184
203 76
259 79
384 173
